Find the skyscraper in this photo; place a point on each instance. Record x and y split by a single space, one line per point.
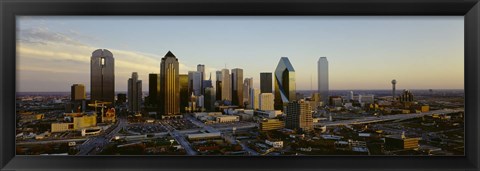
134 93
201 69
169 85
323 79
102 76
153 89
184 95
299 116
78 97
247 86
266 82
210 99
195 82
237 87
218 85
394 82
78 92
226 85
266 101
285 90
207 83
255 98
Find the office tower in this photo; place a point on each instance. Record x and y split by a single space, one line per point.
407 96
201 102
299 116
169 85
153 90
284 83
237 87
394 82
134 93
201 69
207 83
78 97
226 86
266 101
78 92
209 99
102 76
218 85
266 82
195 82
335 101
255 98
247 86
184 95
192 103
315 101
323 78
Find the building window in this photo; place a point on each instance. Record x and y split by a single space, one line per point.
102 61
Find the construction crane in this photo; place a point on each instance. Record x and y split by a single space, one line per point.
102 106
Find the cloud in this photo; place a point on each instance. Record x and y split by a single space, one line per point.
44 35
58 55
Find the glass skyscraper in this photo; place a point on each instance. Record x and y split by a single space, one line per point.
169 85
284 83
134 93
102 76
266 82
323 79
237 87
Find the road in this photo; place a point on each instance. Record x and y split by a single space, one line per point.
51 141
373 119
231 139
97 143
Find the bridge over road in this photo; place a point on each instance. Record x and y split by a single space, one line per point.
374 119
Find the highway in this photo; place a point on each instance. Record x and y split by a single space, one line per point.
97 143
231 139
51 141
178 136
373 119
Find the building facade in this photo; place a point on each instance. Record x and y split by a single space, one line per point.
266 82
102 76
299 116
255 98
169 85
271 124
323 79
184 96
218 85
266 101
195 82
134 93
285 88
153 90
237 87
226 85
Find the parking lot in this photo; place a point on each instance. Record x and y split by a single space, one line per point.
146 128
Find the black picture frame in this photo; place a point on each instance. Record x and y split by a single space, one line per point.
470 9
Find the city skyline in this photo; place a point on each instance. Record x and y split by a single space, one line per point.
38 36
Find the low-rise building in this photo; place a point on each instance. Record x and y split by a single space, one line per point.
77 122
274 144
401 142
203 136
271 124
227 118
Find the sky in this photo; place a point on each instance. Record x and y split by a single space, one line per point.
363 52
